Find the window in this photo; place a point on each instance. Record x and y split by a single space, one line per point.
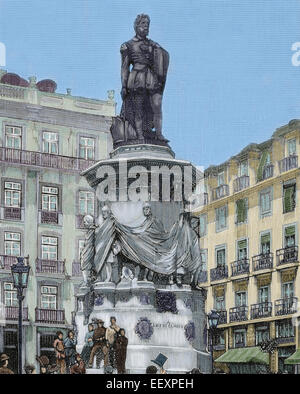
12 244
289 236
291 147
219 339
289 197
49 198
241 210
239 338
10 294
50 142
86 203
265 159
242 250
49 248
288 290
221 178
261 334
265 202
87 148
48 297
221 218
12 194
220 303
203 254
13 137
240 298
265 243
284 329
243 168
263 294
203 224
220 257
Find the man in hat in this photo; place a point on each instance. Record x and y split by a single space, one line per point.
44 364
160 361
99 344
4 370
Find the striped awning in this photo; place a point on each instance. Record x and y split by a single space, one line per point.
294 358
244 355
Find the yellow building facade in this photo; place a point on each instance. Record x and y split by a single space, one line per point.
249 237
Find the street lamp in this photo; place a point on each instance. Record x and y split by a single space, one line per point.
213 320
20 273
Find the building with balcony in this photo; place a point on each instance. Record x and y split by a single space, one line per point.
46 140
249 237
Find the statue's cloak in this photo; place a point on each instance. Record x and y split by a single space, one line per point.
150 246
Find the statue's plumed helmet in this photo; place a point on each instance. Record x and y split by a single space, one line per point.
139 18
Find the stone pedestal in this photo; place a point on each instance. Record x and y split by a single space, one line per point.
179 334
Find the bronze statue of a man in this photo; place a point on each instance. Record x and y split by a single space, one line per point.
143 74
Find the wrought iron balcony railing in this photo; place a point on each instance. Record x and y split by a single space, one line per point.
220 192
219 272
239 313
241 183
7 261
268 171
76 269
286 306
222 317
50 266
49 316
12 313
262 261
287 255
240 267
288 163
39 159
50 217
12 213
264 309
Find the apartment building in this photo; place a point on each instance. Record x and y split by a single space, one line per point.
46 140
249 237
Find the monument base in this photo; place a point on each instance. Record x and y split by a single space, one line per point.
156 320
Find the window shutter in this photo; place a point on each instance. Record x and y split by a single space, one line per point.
289 203
262 163
242 244
289 231
241 206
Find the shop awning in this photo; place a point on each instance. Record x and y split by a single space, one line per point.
244 355
294 358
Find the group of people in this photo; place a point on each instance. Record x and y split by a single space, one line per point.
107 344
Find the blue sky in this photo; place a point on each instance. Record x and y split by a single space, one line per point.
230 81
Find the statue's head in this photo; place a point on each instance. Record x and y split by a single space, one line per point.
141 25
88 221
106 212
147 209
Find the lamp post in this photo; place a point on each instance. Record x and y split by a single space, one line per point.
20 273
213 320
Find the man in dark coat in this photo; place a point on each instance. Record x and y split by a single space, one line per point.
121 351
70 349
